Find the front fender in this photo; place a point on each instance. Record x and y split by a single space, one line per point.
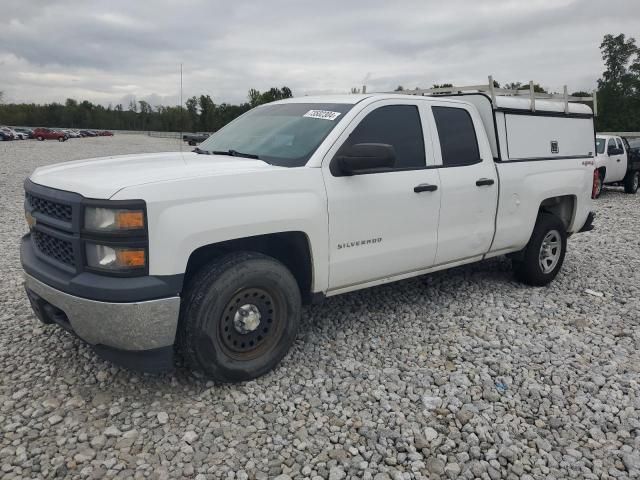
187 214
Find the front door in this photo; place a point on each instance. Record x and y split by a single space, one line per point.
383 224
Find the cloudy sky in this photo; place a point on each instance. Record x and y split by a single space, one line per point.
110 51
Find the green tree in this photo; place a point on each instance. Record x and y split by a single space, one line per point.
192 114
619 86
207 113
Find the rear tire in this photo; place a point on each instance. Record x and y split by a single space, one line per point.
239 317
543 256
631 182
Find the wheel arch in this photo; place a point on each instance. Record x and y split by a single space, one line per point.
292 248
603 171
562 206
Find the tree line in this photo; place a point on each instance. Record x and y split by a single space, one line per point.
200 113
618 102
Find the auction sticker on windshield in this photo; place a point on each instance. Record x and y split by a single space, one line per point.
323 114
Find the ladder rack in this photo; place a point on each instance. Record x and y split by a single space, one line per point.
493 91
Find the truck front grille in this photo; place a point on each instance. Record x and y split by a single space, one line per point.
50 208
60 250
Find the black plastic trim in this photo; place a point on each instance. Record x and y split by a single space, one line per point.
588 224
539 159
98 287
157 360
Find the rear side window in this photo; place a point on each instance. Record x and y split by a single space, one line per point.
619 142
396 125
457 135
611 144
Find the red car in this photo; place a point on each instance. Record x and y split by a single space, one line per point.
105 133
49 134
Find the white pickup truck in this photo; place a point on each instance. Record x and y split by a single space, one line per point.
616 164
214 251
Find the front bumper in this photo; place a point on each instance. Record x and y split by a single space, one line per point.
132 332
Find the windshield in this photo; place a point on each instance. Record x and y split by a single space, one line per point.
283 134
600 143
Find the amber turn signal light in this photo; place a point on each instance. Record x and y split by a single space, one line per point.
129 219
130 258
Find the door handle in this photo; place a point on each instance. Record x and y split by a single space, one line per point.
425 187
618 160
485 181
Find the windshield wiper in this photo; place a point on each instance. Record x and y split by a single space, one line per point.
235 153
200 151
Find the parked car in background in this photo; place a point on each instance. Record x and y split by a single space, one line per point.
614 164
88 133
49 134
634 147
8 132
5 136
72 133
17 135
195 138
105 133
25 130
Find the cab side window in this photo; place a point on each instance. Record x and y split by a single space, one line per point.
395 125
458 140
611 144
619 142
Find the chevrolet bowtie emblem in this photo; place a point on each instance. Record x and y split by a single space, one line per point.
31 220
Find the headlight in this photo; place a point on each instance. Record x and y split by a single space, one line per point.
115 258
113 219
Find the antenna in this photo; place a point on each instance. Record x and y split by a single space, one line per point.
181 113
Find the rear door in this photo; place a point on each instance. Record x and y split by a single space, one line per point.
468 180
383 224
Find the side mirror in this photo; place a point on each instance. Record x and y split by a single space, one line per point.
365 158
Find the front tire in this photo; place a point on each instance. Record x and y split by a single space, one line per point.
40 138
631 182
239 317
543 256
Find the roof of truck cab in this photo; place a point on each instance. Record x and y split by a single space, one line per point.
353 98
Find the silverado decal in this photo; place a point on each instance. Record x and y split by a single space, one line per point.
359 243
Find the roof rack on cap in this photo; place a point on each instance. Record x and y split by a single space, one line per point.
493 92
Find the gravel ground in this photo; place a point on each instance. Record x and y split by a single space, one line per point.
460 374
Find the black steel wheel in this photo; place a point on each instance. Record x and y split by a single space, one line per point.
252 322
239 316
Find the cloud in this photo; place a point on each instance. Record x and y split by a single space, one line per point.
110 52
